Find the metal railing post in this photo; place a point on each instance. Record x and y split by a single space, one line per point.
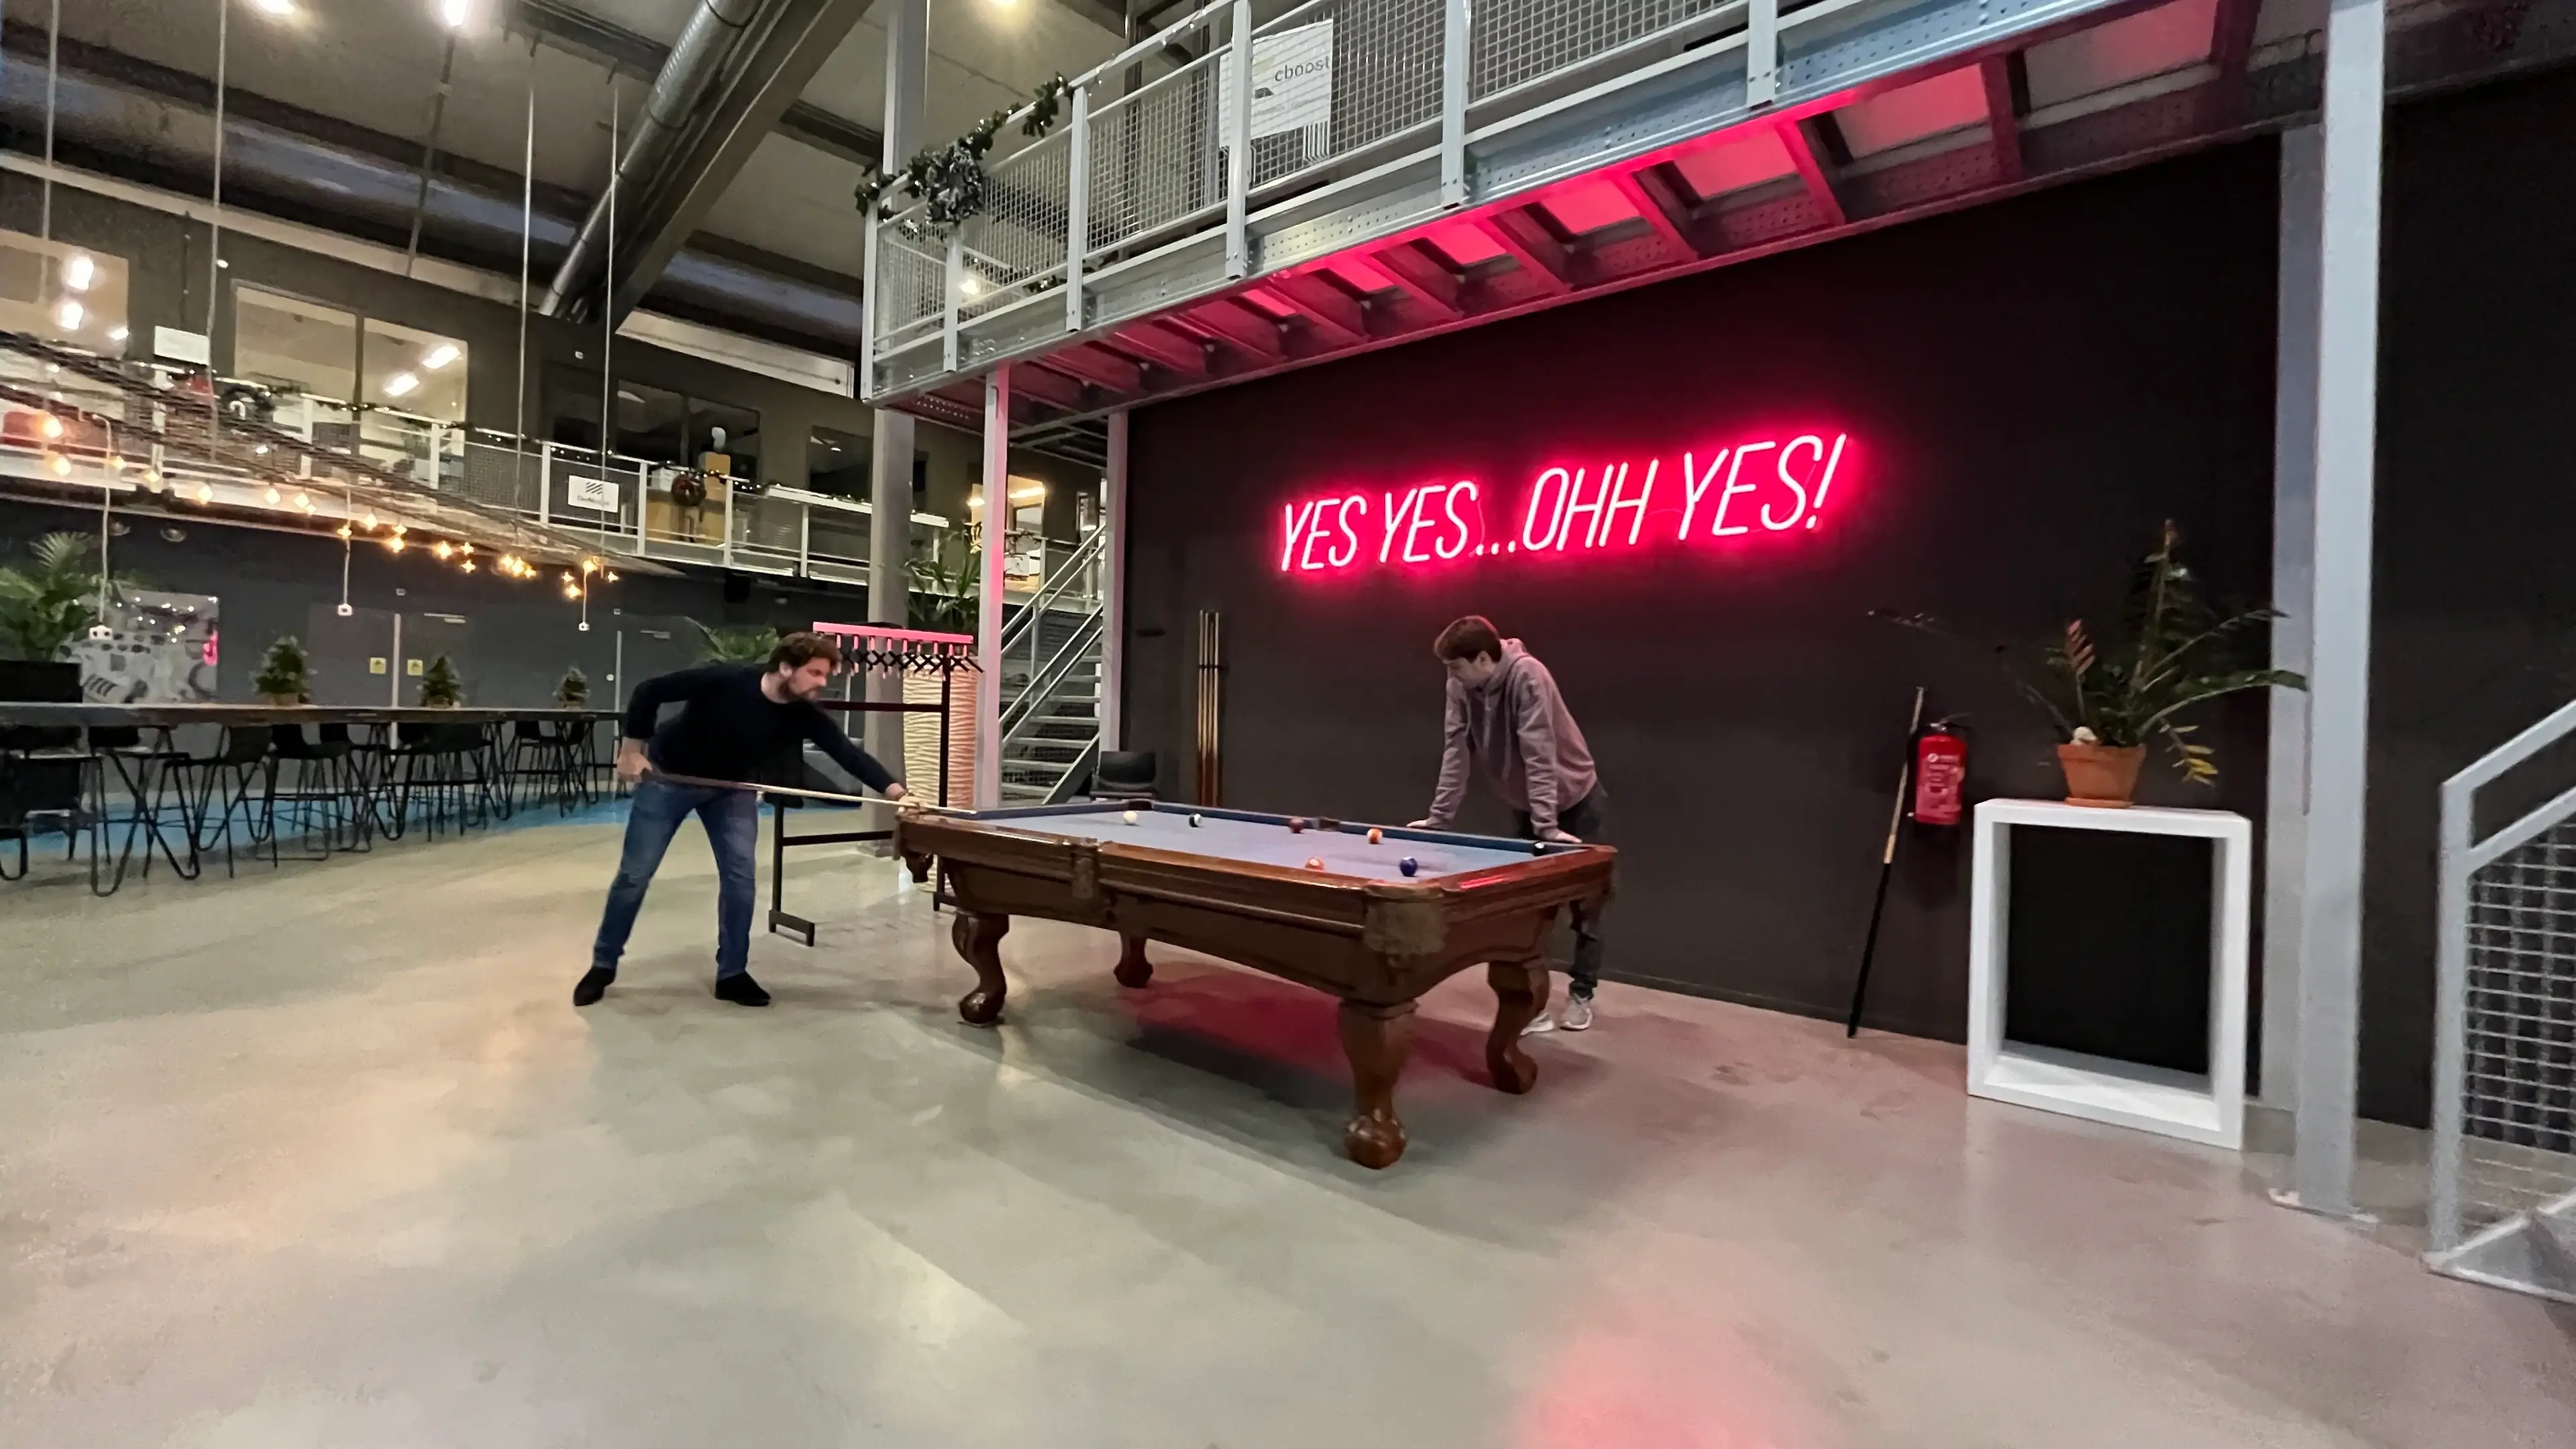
867 383
1238 143
1454 57
728 524
546 483
643 482
1077 208
1762 53
948 300
805 540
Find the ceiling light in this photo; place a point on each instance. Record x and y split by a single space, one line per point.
51 427
455 13
400 384
117 334
439 356
62 466
279 8
70 315
79 272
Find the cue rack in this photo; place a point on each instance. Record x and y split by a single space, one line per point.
1211 702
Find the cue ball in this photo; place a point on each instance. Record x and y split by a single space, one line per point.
1194 822
1129 817
1296 825
1376 835
1314 862
1408 865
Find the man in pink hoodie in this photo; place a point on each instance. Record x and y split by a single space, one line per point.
1507 721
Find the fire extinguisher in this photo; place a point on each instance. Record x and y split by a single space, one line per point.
1940 774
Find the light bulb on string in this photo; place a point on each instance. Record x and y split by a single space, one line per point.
395 543
443 549
612 576
51 427
115 463
467 566
205 493
61 465
304 501
343 530
369 522
269 495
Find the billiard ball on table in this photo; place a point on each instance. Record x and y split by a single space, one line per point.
1129 817
1314 862
1409 866
1376 835
1296 824
1194 821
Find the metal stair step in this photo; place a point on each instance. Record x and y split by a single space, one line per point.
2553 1244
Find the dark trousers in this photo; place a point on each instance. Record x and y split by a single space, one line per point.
732 819
1587 820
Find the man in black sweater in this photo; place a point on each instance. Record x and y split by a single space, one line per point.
735 718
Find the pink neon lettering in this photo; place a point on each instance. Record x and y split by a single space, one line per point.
1610 515
1833 460
1717 525
1792 484
1314 535
1694 485
1574 504
1296 519
1450 507
1545 537
1339 559
1421 521
1395 519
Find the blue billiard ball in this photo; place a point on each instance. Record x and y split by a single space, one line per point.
1408 865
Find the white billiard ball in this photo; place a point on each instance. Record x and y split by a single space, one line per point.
1129 817
1194 822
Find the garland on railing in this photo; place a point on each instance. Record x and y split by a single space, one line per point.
949 179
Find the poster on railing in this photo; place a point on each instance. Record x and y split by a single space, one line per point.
1292 86
160 648
596 494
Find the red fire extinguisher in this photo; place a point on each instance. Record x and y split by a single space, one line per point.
1940 774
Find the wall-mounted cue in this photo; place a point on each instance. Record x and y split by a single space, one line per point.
1211 701
1886 867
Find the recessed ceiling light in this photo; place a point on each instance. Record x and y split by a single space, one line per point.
117 334
276 7
439 356
455 13
70 315
400 384
79 272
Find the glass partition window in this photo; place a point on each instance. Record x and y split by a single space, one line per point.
62 292
298 346
416 372
837 463
730 433
653 425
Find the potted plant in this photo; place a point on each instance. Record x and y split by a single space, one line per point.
285 675
49 603
2110 697
944 600
573 690
439 686
735 643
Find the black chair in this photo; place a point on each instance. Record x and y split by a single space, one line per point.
444 766
325 778
542 763
241 777
1125 775
149 774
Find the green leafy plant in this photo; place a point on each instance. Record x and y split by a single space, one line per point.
573 690
950 179
942 599
440 688
284 672
49 603
2171 652
735 643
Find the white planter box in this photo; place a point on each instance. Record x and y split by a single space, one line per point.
2207 1109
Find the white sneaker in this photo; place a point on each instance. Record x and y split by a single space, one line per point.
1539 1025
1577 1015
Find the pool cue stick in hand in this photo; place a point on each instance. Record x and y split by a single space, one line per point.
1886 868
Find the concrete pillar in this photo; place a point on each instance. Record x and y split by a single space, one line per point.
890 432
992 577
2338 735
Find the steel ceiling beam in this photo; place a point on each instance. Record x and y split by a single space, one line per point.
1660 203
772 65
1525 239
1807 151
2003 113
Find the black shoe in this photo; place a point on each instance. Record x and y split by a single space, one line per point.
593 985
741 990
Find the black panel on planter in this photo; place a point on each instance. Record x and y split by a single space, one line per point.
2109 947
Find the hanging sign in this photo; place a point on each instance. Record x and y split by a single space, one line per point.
1709 497
596 494
1292 85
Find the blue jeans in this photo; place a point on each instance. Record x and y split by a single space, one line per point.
732 818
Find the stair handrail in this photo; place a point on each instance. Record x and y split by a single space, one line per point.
1044 682
1033 613
2461 854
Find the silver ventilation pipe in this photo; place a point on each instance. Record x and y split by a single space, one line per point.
714 31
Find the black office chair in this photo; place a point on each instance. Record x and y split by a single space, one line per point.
1125 775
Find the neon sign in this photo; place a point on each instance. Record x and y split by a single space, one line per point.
1701 498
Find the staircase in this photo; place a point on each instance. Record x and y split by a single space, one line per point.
1051 682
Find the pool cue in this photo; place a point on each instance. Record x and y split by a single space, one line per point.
828 797
1886 868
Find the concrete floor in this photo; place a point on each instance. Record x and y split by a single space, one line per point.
326 1158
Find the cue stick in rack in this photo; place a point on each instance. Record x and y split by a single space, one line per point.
1211 705
1886 867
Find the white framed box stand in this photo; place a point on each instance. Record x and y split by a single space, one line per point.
2208 1109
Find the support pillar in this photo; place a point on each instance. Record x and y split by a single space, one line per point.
2338 734
2294 571
1113 589
890 441
992 577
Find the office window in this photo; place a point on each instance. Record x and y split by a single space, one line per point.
62 292
295 345
837 463
654 425
416 372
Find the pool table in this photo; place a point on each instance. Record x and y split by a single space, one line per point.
1236 884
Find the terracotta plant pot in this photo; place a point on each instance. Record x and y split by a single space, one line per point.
281 700
2101 775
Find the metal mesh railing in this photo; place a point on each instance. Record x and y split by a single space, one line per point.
911 280
1339 75
1155 155
503 477
1018 241
2517 1080
1515 42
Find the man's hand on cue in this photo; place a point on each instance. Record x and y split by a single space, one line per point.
1555 836
631 764
895 792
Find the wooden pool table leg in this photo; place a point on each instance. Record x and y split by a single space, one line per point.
1133 969
1377 1039
979 939
1520 994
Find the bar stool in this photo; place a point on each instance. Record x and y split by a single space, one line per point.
147 774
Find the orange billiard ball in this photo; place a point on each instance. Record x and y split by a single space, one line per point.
1296 824
1315 863
1376 835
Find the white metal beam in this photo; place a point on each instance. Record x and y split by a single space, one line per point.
890 443
1113 622
988 614
2294 481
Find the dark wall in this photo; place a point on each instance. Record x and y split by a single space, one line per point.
2475 630
2030 389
